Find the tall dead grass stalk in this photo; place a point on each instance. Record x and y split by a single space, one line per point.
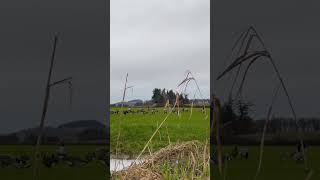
121 116
265 130
252 56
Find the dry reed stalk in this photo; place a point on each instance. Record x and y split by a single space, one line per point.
121 115
217 110
253 56
191 108
168 135
149 151
186 80
46 101
158 128
309 175
178 103
225 168
159 131
265 130
167 105
189 77
154 133
206 159
45 107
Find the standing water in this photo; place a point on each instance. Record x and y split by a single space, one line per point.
120 164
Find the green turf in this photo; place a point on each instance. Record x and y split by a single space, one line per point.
273 168
93 171
136 129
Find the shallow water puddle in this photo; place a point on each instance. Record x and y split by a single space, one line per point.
120 164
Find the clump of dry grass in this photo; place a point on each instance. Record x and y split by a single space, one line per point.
136 172
191 158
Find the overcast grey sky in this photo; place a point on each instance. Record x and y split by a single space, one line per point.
290 29
156 41
26 33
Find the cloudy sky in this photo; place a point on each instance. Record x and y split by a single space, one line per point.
156 42
26 33
290 29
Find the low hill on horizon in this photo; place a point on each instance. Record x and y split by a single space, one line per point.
71 132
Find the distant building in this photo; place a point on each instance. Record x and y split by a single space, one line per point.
136 102
200 102
150 103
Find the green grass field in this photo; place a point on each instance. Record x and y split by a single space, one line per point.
273 168
136 129
93 171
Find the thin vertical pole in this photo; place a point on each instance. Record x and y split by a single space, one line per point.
44 112
124 91
121 114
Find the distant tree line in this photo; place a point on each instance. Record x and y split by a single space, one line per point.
238 127
236 118
288 125
235 114
161 96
